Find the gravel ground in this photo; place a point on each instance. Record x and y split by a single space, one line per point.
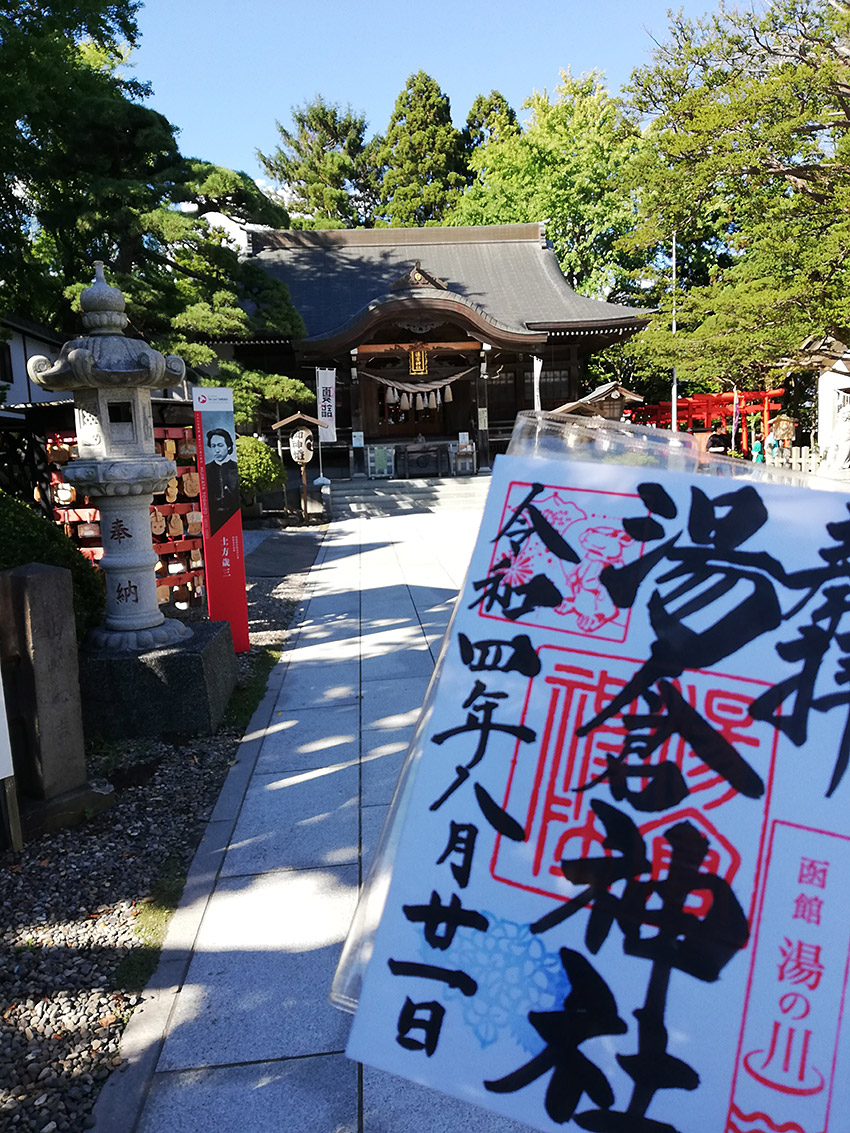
70 902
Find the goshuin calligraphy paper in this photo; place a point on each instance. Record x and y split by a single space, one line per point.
619 898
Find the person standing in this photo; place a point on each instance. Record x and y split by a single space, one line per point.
719 441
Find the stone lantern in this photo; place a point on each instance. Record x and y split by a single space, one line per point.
112 377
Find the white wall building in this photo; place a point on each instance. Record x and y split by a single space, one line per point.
833 396
20 340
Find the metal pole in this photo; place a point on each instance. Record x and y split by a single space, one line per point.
674 406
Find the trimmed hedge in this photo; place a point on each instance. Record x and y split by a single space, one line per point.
260 468
27 537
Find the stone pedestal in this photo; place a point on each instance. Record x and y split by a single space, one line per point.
123 491
180 689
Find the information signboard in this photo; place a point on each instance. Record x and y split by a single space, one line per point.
618 879
224 563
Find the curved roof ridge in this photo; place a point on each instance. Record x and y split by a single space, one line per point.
552 268
511 283
393 298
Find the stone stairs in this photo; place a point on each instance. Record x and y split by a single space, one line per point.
362 497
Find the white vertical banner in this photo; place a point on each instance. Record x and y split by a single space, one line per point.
326 398
538 370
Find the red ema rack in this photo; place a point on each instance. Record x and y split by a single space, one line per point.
76 514
72 515
181 509
179 579
173 433
175 546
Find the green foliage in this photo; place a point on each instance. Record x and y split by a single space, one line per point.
260 468
490 117
26 537
155 911
422 157
321 165
87 172
213 188
260 399
565 167
750 137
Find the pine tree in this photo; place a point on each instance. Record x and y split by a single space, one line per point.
750 123
320 166
87 172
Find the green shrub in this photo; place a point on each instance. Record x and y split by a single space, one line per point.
260 468
26 537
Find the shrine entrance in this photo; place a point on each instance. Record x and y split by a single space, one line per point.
436 337
418 386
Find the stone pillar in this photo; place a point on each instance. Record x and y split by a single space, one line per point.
38 649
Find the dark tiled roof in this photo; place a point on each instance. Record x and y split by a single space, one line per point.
507 273
26 326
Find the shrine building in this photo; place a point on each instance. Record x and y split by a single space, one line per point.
434 332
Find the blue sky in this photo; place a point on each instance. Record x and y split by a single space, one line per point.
224 71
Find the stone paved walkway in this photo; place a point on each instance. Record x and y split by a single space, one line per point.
237 1033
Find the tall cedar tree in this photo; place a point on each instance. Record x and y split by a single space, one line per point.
321 165
422 157
89 173
490 117
750 122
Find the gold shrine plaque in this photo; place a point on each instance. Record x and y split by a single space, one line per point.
417 358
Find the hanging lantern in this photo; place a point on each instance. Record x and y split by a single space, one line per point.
404 404
420 404
448 395
432 400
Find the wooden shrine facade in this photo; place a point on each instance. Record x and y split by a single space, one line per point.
436 331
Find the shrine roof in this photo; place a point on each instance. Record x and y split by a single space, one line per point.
503 276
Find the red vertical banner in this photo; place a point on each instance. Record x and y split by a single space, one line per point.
224 560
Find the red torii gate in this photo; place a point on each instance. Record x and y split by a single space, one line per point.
707 407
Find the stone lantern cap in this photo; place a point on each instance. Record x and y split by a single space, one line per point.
105 358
